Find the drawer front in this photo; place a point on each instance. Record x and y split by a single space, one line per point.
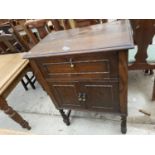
84 66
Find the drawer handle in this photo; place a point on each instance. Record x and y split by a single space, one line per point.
71 63
80 97
84 97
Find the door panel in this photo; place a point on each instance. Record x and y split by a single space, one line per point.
101 95
98 96
66 94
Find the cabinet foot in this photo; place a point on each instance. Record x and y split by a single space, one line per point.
65 117
123 125
149 72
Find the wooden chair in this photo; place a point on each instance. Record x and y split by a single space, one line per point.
66 24
143 56
4 26
37 30
12 70
18 21
87 22
9 43
59 24
2 21
18 29
11 27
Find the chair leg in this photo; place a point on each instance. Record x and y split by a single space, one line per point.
13 114
29 80
24 84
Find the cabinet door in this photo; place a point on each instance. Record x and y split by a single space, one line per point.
101 96
66 94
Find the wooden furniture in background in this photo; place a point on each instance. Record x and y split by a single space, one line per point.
10 44
142 57
12 70
13 26
57 24
20 33
37 29
4 26
2 21
88 22
18 21
66 23
92 76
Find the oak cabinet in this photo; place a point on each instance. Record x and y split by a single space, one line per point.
85 68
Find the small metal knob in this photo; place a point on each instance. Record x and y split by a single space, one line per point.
80 97
84 100
84 97
71 63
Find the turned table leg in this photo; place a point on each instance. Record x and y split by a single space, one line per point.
13 114
65 116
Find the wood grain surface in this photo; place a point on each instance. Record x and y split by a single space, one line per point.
100 37
10 66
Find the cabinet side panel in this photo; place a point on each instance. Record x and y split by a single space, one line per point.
42 81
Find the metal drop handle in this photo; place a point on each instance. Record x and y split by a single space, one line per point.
84 97
71 63
80 97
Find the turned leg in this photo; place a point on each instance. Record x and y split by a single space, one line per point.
153 93
149 72
13 114
123 125
65 116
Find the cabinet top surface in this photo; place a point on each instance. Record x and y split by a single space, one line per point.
101 37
